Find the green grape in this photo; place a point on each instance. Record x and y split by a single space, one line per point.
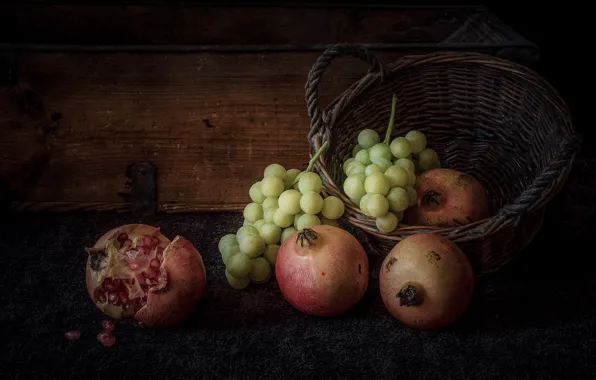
270 233
398 199
253 212
372 168
377 205
397 176
387 223
412 195
255 193
270 203
356 168
297 180
225 256
261 271
400 147
333 208
281 219
237 283
271 254
380 150
275 170
311 202
405 163
245 231
347 163
246 223
368 138
252 245
272 186
363 203
307 221
417 141
289 201
287 232
384 164
362 157
354 186
428 159
377 183
290 177
258 224
239 265
310 181
330 222
268 215
355 201
226 242
296 218
357 148
411 178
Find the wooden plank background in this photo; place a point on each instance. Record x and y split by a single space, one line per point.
209 121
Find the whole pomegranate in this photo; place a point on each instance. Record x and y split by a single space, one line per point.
448 198
426 281
322 271
134 270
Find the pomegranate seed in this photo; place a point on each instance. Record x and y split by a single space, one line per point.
143 251
100 296
150 273
72 335
133 266
123 297
116 283
147 240
106 338
109 285
122 237
155 241
155 263
108 325
113 297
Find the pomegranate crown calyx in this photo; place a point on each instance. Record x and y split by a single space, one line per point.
307 235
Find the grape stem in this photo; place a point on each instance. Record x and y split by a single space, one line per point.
391 120
313 160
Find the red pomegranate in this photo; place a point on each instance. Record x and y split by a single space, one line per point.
322 271
134 270
448 198
426 281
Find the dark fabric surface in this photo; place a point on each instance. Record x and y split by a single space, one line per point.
534 319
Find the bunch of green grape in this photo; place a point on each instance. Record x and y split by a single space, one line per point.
381 176
283 202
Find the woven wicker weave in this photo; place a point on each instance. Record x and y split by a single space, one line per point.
488 117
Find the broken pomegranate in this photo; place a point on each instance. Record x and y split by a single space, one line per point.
134 270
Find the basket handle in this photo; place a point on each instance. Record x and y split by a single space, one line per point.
317 70
516 210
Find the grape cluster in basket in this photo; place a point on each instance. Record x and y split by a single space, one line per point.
381 175
283 202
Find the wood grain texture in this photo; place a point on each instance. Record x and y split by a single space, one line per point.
64 24
209 121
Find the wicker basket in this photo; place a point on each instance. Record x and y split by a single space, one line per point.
488 117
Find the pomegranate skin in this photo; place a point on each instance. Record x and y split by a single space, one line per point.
187 281
448 198
170 304
324 279
440 272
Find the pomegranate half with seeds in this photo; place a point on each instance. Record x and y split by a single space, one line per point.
135 271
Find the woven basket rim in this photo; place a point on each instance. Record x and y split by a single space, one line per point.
509 215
